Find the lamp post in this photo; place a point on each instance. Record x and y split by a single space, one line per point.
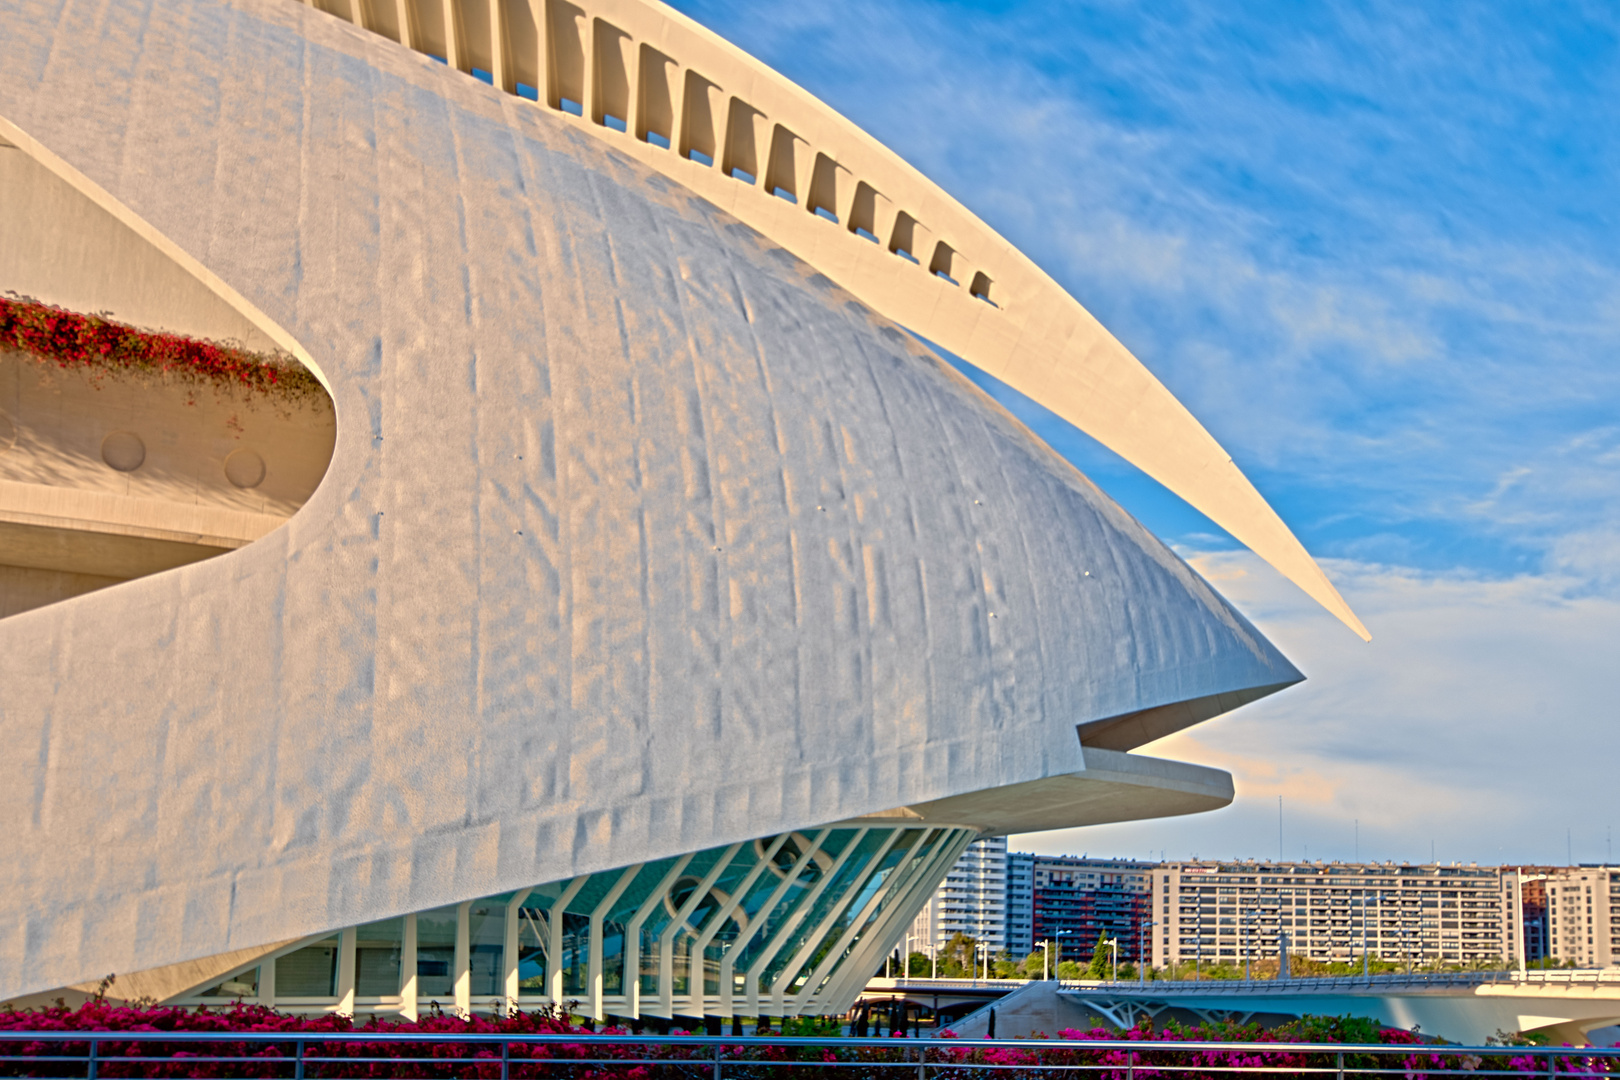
1366 964
1057 957
1366 937
1518 921
1113 946
1245 923
1141 955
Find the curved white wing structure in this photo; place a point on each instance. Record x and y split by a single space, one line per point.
684 101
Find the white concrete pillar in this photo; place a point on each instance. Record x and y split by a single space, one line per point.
463 961
407 970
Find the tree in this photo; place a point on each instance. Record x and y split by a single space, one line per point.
1098 968
919 966
1035 965
958 956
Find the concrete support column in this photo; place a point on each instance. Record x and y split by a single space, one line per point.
463 961
345 970
407 970
510 951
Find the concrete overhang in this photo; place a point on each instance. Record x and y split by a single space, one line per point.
1113 787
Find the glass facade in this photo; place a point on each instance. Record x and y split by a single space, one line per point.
784 925
486 947
379 949
310 971
436 955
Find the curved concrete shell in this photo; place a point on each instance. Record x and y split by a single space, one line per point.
639 538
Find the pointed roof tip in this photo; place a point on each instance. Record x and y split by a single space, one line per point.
1335 605
1277 545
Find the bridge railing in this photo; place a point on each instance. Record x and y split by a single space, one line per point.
1400 981
943 985
300 1055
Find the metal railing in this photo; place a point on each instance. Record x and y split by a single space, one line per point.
1418 980
309 1055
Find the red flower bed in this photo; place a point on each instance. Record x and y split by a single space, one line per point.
745 1059
71 340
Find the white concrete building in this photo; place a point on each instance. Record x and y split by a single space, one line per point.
1583 915
642 617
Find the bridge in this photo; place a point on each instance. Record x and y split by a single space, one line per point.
937 1003
1465 1007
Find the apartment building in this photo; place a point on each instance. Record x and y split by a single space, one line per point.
1020 904
1076 900
1582 914
1533 917
972 900
1224 912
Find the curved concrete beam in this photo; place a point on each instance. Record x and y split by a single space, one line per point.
696 108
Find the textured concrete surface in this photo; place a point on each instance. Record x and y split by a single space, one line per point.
756 133
638 537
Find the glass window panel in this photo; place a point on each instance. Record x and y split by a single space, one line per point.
832 896
576 956
629 903
436 954
486 952
309 972
532 951
893 863
664 913
242 984
377 951
612 957
796 892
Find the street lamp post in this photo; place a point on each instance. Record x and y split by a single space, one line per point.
1366 964
1057 957
1141 955
1113 945
1366 937
1246 921
1522 947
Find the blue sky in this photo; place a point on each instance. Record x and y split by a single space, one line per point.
1375 248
